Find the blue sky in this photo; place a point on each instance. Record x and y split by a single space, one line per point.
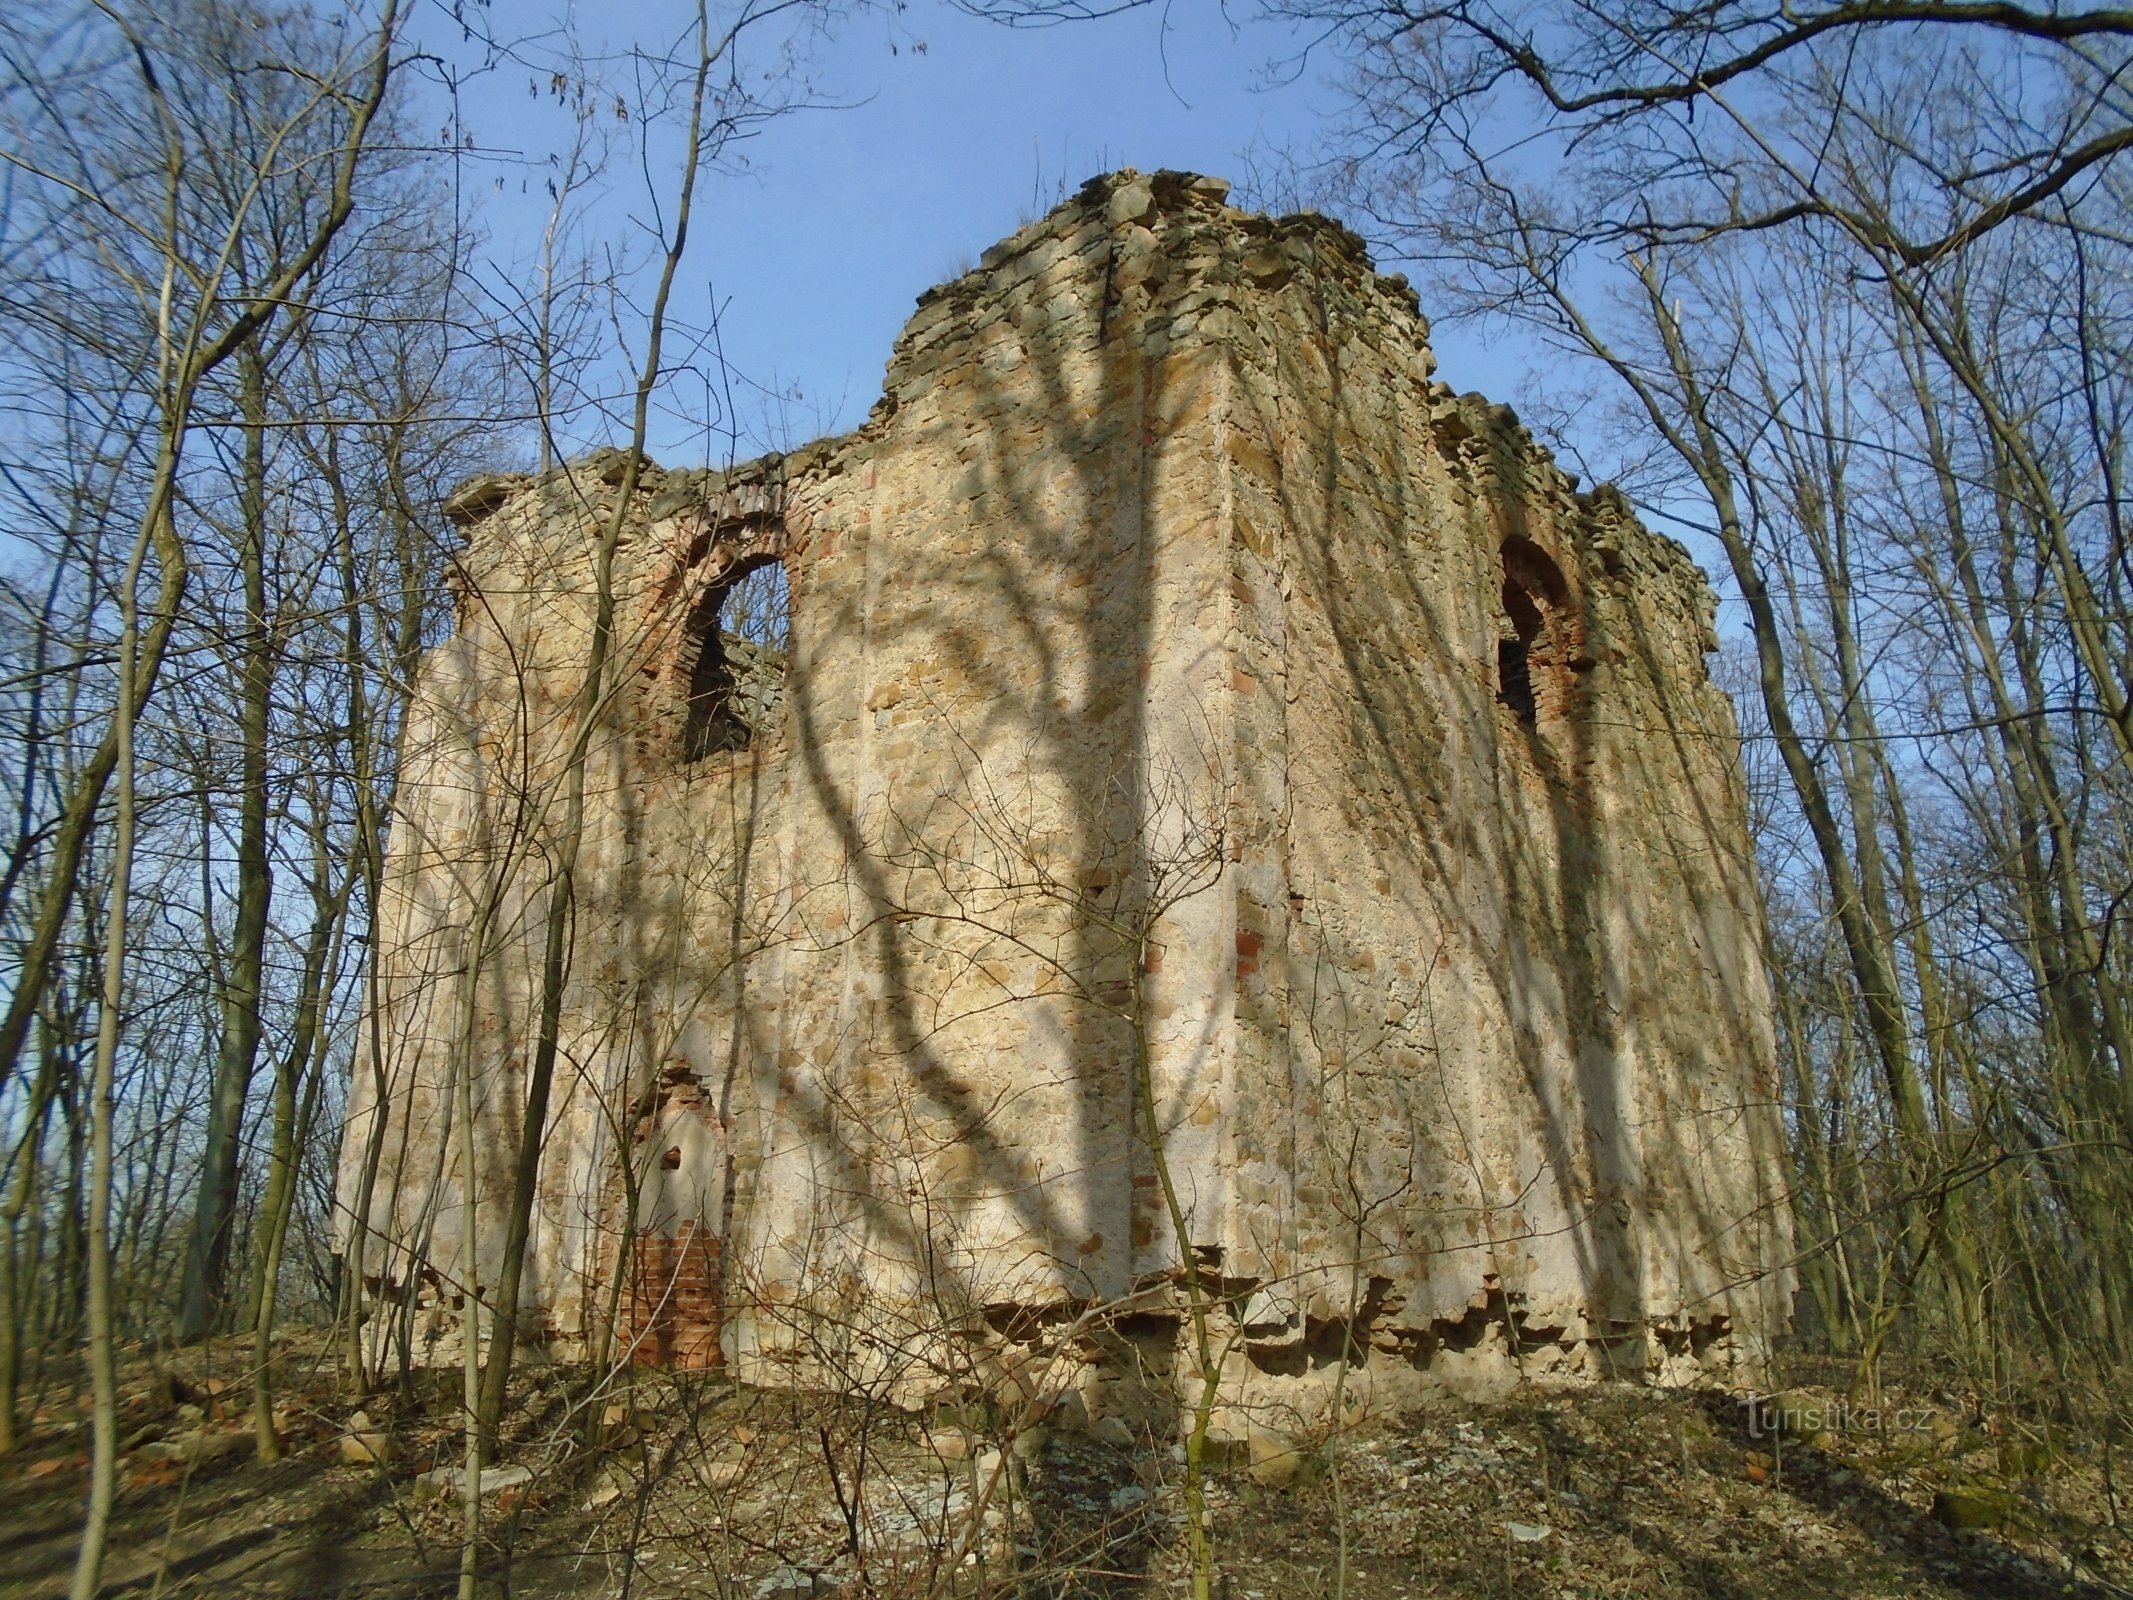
951 133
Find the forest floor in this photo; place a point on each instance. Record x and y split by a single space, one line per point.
701 1488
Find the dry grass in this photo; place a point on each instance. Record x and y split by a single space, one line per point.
699 1488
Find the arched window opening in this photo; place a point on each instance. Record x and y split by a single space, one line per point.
733 655
1535 647
1514 680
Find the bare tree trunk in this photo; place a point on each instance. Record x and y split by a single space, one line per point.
21 1189
215 1199
590 711
371 764
296 1074
102 1310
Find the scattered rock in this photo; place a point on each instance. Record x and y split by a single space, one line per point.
788 1582
494 1480
1795 1414
723 1474
950 1444
1275 1461
1222 1452
1065 1410
199 1447
2027 1458
1030 1443
364 1444
1976 1509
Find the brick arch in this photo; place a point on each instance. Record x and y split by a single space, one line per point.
1540 637
697 680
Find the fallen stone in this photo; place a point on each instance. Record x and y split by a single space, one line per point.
2027 1458
1976 1509
493 1479
788 1582
723 1474
1065 1410
364 1444
200 1447
950 1444
1276 1462
1030 1443
1220 1452
1795 1414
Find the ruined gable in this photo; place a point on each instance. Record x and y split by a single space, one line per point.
1184 691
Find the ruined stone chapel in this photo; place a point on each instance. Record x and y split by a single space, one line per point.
1197 766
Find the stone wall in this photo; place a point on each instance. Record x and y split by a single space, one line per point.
1186 694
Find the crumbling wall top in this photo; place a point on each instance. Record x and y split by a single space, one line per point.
1169 247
